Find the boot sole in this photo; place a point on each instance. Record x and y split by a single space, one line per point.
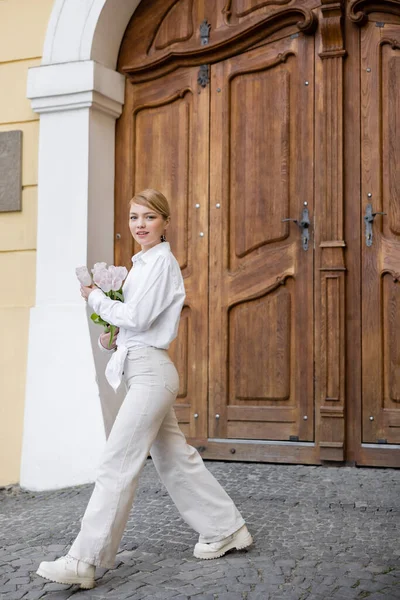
85 584
242 541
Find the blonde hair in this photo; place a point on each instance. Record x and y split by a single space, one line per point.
153 199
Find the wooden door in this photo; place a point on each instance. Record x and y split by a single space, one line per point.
261 278
162 143
380 152
285 354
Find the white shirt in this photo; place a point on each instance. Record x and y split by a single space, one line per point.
154 293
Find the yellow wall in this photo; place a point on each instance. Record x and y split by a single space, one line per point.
23 25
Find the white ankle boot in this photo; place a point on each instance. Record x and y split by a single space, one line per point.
239 540
68 570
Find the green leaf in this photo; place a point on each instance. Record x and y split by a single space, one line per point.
98 320
112 330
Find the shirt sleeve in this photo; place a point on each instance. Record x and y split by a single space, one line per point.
106 350
153 295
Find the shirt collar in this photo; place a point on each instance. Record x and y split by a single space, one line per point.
161 248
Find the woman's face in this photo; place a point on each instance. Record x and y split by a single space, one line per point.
146 225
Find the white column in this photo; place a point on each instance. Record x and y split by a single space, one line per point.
64 427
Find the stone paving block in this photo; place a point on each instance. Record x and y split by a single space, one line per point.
285 563
166 594
129 586
34 595
19 580
19 562
371 586
362 575
55 587
56 548
381 596
9 587
154 592
173 562
268 588
147 567
210 588
156 579
13 595
388 578
342 593
375 568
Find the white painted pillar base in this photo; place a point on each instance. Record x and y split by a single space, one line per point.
64 426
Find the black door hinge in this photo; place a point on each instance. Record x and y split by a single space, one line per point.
203 77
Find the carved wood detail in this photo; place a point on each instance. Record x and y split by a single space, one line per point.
220 47
331 325
267 90
359 10
228 10
395 45
331 27
176 26
270 384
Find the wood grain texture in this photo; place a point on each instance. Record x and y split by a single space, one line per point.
330 284
259 326
269 453
235 10
178 46
163 143
380 262
270 358
358 10
176 26
261 92
353 234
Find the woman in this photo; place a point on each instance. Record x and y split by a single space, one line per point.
148 321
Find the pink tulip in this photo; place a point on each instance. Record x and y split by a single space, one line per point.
118 275
100 266
83 276
103 279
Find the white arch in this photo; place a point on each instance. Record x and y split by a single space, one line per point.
87 30
79 95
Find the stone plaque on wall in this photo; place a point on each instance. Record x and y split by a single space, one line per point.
10 170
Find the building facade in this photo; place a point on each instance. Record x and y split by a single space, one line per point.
272 127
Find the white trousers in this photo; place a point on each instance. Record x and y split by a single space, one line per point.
146 422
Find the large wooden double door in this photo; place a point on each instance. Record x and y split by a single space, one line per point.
289 344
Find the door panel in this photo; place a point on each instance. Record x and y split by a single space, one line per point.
163 144
261 278
380 143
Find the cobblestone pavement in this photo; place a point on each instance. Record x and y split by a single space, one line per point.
319 533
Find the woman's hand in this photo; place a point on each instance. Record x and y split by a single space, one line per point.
86 291
105 340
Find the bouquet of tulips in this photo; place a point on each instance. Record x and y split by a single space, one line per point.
109 280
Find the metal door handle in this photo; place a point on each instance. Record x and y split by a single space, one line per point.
304 224
369 219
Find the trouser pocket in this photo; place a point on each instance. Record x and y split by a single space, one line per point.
170 376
